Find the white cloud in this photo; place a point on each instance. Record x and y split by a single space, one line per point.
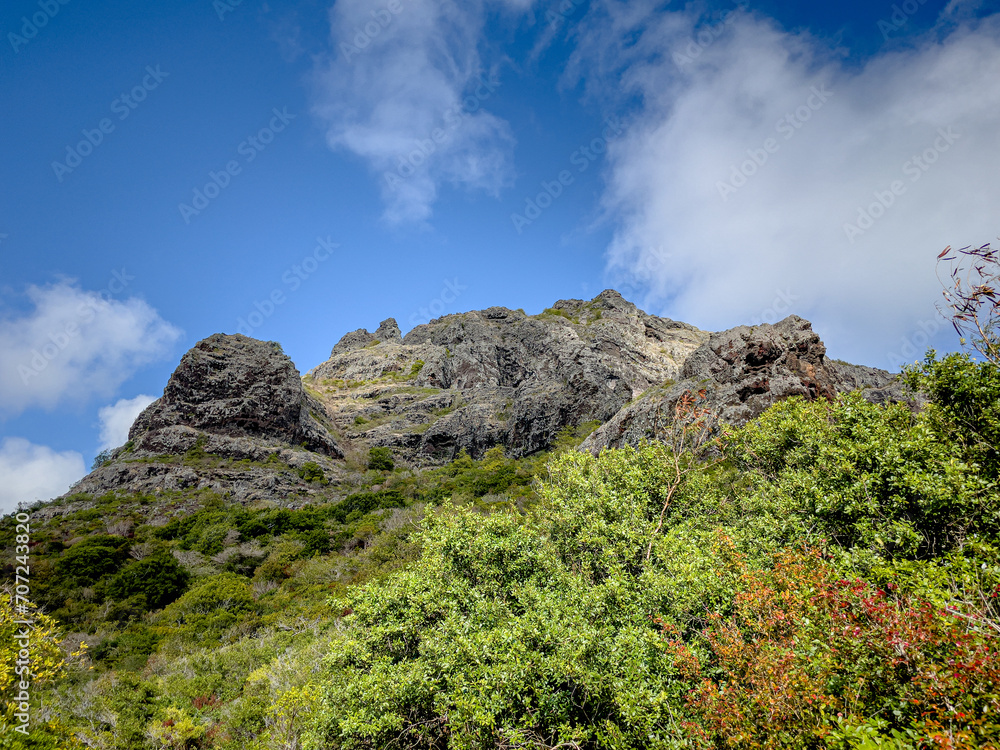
75 345
117 418
35 472
714 98
405 89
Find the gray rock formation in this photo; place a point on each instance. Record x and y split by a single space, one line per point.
499 376
235 386
388 331
743 371
234 418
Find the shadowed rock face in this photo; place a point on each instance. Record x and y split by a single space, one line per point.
235 417
743 371
235 386
498 376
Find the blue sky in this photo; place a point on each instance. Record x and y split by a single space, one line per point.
299 170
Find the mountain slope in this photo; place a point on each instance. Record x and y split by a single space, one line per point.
235 417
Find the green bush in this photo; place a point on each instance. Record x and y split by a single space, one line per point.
102 458
158 579
277 566
89 560
876 478
130 650
211 607
356 506
312 472
380 459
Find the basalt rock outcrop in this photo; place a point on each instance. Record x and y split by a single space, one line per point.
234 386
743 371
498 376
236 417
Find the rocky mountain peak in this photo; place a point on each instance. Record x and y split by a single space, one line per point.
234 386
743 371
472 381
498 376
388 330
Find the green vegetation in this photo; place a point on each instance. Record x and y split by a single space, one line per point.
380 459
312 472
827 576
101 458
553 312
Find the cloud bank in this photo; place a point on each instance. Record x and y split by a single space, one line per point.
405 89
117 419
34 472
75 345
761 167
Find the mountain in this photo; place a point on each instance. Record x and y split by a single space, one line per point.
237 418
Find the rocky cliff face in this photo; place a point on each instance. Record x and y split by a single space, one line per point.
498 376
234 386
240 403
742 372
236 418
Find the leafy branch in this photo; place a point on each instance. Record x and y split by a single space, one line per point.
972 295
687 436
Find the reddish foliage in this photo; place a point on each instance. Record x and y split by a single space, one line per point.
203 701
803 647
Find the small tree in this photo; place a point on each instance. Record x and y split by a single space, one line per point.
688 436
972 297
380 459
102 458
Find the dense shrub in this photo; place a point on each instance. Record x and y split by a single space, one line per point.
211 607
380 459
312 472
877 478
357 505
158 580
91 559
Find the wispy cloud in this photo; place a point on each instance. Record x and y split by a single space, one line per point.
400 71
904 149
74 345
35 472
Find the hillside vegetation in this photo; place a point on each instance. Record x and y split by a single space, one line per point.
825 576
